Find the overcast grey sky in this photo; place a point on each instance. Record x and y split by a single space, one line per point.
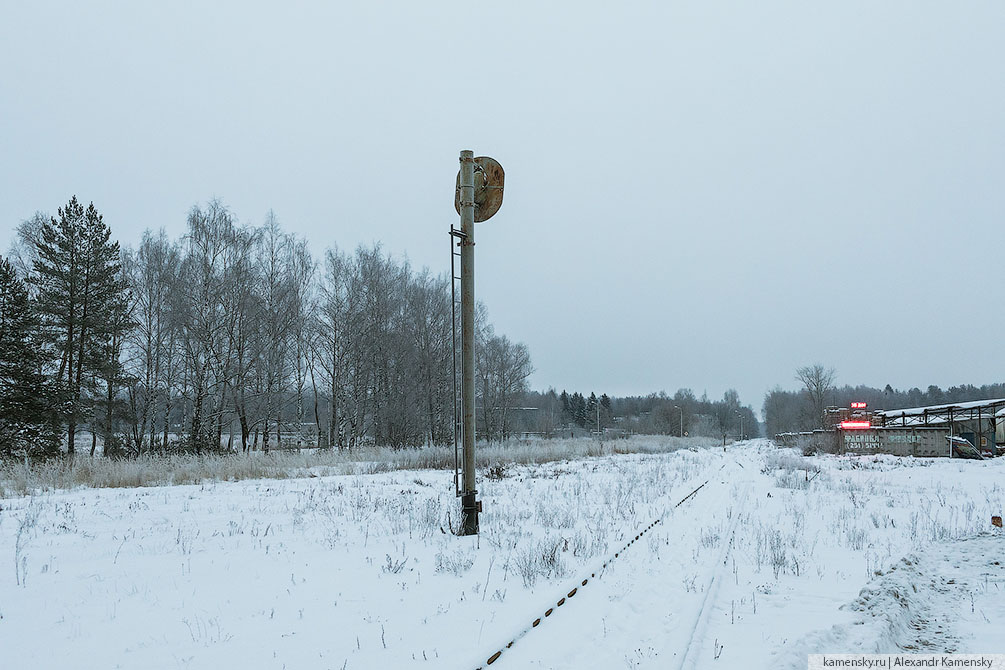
700 194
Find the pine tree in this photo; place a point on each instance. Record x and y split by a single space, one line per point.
78 275
24 400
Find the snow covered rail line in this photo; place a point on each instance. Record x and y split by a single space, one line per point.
688 659
593 575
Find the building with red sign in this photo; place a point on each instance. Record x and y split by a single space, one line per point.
936 430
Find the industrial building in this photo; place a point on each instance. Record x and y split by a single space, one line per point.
968 429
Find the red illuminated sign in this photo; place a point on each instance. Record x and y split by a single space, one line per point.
855 425
858 405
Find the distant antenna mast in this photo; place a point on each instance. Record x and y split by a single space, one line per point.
476 199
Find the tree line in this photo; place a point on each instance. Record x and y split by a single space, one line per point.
803 409
554 414
232 337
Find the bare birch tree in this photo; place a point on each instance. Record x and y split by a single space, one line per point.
819 383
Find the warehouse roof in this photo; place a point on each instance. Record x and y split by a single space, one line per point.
935 414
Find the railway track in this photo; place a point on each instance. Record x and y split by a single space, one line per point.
689 658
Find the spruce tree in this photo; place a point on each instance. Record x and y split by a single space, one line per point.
24 400
591 410
578 405
606 412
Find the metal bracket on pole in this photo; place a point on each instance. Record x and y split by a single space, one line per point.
454 233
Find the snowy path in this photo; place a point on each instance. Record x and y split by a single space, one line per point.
692 650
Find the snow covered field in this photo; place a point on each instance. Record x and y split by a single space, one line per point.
776 556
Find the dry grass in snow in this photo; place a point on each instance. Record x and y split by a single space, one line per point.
22 478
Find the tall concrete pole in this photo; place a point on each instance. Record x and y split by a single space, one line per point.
469 506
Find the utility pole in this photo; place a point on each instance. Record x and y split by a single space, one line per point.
469 506
681 419
475 203
741 424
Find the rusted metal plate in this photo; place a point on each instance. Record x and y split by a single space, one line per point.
489 181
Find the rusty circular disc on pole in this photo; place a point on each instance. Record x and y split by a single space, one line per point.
489 180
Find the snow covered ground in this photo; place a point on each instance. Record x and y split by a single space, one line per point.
775 556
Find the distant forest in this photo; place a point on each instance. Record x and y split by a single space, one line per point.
790 411
554 414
